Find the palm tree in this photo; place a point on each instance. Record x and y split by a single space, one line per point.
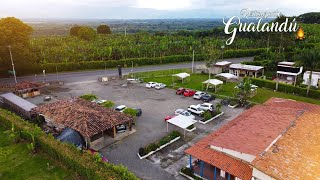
309 59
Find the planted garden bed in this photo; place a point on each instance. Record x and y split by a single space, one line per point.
188 173
163 142
210 116
233 103
191 128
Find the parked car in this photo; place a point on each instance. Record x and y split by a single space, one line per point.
206 106
120 108
196 110
180 91
188 93
184 113
208 97
169 117
101 101
139 111
121 128
47 98
151 84
160 86
198 95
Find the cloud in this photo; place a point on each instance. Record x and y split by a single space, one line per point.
148 8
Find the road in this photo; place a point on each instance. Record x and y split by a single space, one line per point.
88 76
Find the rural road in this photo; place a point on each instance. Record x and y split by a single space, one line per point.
90 76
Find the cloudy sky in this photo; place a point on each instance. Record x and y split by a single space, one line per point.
148 9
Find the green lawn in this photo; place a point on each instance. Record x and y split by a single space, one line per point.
17 163
227 89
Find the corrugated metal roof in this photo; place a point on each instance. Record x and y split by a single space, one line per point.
25 105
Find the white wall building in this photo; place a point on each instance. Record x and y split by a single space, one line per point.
315 80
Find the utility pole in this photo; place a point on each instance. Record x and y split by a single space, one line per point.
57 73
132 69
14 71
44 75
192 60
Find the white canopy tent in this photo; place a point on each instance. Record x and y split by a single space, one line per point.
212 82
181 76
227 75
182 122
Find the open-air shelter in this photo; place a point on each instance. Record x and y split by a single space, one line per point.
181 76
182 122
212 83
227 76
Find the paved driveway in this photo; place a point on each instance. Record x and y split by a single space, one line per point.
155 104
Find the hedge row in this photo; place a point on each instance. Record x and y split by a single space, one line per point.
89 65
286 88
84 164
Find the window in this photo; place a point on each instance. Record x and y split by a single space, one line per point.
222 173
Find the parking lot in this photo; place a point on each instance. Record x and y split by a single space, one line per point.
155 105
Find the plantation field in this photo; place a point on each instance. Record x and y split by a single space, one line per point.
16 162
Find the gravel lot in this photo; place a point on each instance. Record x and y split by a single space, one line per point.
155 105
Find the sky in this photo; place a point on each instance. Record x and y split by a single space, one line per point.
148 9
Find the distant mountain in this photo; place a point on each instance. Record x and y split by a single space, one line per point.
310 18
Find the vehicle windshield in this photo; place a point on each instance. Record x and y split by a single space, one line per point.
186 113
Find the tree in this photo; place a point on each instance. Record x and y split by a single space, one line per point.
103 29
74 31
86 33
310 60
14 32
243 90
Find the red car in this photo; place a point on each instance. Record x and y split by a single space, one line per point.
188 93
180 91
168 117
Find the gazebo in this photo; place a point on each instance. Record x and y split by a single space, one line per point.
227 76
181 76
212 83
182 122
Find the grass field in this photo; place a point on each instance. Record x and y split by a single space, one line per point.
16 162
195 82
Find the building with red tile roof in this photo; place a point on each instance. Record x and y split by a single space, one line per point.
243 148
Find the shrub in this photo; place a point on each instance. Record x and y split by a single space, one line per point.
89 97
154 146
190 127
142 152
130 112
108 104
207 115
189 172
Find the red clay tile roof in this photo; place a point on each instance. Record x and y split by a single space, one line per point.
252 132
288 103
24 85
296 155
255 129
83 116
201 150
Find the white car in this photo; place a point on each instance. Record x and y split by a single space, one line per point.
151 84
160 86
101 101
205 106
120 108
196 110
198 95
184 113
